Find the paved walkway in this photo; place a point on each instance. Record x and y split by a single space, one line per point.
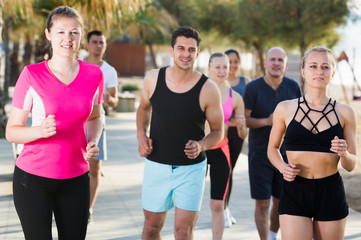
118 213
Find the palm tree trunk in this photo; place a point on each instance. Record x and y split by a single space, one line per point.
259 49
152 55
1 41
6 35
28 51
15 65
303 47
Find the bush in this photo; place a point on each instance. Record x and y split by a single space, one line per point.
130 87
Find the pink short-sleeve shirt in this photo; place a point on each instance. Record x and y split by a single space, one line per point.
38 90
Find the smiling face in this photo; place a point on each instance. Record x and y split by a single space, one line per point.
234 63
184 52
318 69
218 69
275 62
64 35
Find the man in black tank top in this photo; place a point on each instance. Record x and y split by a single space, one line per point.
261 98
177 100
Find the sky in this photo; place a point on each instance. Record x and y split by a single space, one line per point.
350 42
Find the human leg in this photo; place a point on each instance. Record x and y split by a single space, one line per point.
157 192
219 172
94 176
217 208
185 222
153 225
329 230
276 193
33 203
219 162
95 170
331 210
71 207
261 176
188 194
235 144
274 216
261 218
296 227
157 196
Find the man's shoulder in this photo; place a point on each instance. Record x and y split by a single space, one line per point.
255 82
208 84
289 80
152 74
107 67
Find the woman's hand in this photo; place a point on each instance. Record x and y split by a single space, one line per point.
339 146
48 127
240 120
289 172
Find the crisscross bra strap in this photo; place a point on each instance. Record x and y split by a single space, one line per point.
324 114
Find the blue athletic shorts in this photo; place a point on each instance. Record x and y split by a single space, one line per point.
166 186
102 145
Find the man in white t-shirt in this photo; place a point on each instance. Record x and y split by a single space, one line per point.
96 45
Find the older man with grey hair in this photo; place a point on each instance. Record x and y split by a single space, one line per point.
261 98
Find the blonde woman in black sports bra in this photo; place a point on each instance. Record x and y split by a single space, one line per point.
318 134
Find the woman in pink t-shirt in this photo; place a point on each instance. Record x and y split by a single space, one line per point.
63 95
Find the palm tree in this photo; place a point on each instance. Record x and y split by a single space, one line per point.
11 12
152 24
100 14
104 14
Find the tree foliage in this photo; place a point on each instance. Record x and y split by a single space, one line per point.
261 24
152 24
12 11
253 25
301 23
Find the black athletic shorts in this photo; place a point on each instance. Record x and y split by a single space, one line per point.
322 199
265 180
220 169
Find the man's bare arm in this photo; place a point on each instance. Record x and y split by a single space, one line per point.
111 96
210 99
145 146
257 122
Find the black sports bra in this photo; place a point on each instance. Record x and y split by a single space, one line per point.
304 135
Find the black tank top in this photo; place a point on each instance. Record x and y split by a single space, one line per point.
176 118
303 134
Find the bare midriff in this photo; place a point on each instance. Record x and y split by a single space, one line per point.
314 165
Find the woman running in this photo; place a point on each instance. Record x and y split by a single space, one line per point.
218 157
63 95
318 134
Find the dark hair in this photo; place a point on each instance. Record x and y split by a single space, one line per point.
320 49
94 32
229 51
215 55
187 32
63 11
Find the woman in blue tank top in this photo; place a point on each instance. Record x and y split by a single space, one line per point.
318 134
235 143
